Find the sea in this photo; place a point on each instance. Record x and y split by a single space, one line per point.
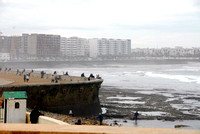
180 77
175 78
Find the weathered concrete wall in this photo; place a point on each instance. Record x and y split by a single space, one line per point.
81 97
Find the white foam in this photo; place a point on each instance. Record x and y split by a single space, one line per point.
182 78
128 102
124 98
104 110
154 113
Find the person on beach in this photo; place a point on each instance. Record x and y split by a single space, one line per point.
35 115
23 71
42 74
27 77
136 114
100 117
71 113
24 78
78 122
91 75
17 71
66 73
82 75
52 79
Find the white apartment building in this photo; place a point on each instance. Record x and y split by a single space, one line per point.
4 56
109 47
73 47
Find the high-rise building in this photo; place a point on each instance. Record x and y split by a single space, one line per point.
5 44
74 47
43 45
16 42
23 51
109 47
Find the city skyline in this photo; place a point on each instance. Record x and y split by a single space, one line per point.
149 24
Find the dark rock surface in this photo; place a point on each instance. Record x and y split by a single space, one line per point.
152 103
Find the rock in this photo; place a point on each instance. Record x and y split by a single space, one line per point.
179 126
125 121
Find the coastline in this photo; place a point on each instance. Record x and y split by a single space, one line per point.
155 104
45 64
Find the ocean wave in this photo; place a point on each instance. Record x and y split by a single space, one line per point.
185 69
182 78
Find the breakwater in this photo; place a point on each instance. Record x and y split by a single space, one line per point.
73 93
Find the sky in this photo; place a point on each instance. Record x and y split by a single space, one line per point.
148 23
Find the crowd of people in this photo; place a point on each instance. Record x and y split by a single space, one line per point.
54 77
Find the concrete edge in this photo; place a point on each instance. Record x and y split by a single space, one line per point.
86 129
45 120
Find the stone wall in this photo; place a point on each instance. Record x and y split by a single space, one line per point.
81 97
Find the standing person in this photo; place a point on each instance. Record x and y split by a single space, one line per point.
136 114
24 78
55 72
17 71
27 78
82 75
66 73
100 117
52 79
34 115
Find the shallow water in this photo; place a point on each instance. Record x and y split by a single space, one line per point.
192 124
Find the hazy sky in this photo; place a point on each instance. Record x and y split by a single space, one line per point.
148 23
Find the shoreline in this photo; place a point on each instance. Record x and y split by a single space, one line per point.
151 104
42 64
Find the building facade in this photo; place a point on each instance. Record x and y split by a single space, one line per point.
43 46
74 47
5 44
102 47
4 56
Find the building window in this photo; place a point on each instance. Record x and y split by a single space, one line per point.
17 105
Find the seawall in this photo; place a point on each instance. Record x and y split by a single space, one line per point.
76 94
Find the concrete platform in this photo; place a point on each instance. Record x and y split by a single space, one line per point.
5 82
83 129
